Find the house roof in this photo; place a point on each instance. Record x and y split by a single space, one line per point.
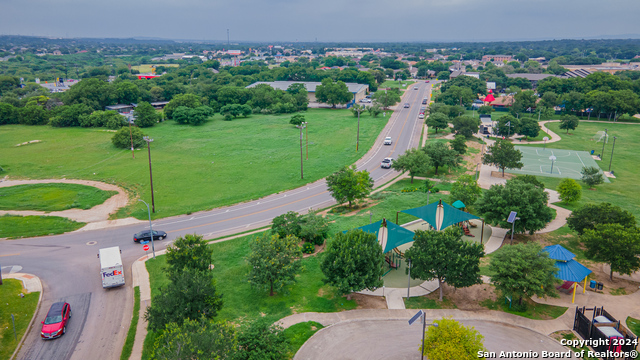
310 85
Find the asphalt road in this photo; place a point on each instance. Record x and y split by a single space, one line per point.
69 269
396 339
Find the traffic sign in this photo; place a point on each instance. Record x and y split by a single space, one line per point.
145 248
144 242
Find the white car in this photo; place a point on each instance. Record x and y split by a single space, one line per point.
386 163
415 88
387 140
421 116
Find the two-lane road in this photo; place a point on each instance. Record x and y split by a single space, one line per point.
68 265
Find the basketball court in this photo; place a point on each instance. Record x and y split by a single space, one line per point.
554 162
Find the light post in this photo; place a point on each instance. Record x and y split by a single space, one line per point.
604 141
306 138
613 147
415 317
358 110
545 142
428 193
133 155
149 141
301 126
409 277
512 219
552 158
150 229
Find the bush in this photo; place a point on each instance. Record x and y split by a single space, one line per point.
569 190
435 190
592 176
308 248
122 139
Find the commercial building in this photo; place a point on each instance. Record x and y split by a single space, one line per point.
503 58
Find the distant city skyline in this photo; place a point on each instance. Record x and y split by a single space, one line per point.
328 21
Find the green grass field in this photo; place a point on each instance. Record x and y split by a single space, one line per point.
534 310
422 302
194 168
146 68
622 190
633 325
22 310
298 334
131 333
13 226
52 197
396 84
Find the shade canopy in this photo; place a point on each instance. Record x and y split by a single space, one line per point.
373 228
458 204
396 236
489 98
440 215
558 252
571 271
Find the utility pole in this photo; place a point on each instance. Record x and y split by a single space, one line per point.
358 110
306 138
149 141
301 126
133 154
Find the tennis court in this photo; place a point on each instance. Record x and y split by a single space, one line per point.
566 163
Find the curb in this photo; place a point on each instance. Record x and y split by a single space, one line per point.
33 318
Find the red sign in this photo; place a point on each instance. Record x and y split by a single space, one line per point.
145 248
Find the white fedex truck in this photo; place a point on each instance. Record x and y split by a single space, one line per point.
111 267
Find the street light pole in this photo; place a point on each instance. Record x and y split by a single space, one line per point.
604 141
613 147
301 126
149 141
131 136
153 248
306 138
513 226
409 277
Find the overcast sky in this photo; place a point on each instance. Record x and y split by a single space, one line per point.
326 20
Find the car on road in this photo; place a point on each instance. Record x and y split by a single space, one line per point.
55 324
406 105
421 116
387 140
415 88
146 236
386 163
427 81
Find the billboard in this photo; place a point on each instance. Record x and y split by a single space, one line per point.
491 85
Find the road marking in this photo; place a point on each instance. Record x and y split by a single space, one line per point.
10 255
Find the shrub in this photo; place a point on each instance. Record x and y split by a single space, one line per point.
122 139
569 190
435 190
308 248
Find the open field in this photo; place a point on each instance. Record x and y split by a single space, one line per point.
396 84
622 191
52 197
22 310
195 168
146 68
12 226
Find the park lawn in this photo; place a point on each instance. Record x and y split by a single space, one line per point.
298 334
52 197
396 84
22 310
534 310
424 302
146 68
195 168
622 190
633 325
15 226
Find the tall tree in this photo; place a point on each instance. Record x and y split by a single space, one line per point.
459 144
386 98
503 155
441 155
465 189
191 294
438 120
529 128
333 93
444 256
528 200
194 338
145 115
592 176
414 161
616 245
507 126
456 95
569 123
274 261
187 100
590 215
349 185
452 340
353 262
523 270
465 125
190 251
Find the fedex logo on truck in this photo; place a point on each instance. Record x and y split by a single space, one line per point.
109 274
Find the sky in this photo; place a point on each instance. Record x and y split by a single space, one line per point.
324 21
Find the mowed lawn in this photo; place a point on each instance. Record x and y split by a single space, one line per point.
52 197
622 191
194 168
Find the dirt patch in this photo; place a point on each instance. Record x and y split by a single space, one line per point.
369 301
353 211
473 159
498 174
469 298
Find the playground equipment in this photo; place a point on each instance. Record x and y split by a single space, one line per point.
601 136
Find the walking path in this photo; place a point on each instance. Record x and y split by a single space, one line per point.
97 217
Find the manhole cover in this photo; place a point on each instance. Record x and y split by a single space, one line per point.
92 243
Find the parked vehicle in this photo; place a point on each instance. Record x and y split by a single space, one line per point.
386 163
387 140
146 235
421 116
424 101
55 324
111 267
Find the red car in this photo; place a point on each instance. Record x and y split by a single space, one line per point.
55 325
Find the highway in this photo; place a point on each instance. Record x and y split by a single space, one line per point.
68 266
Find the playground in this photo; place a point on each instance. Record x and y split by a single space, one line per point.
554 162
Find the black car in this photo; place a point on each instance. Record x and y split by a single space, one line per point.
145 236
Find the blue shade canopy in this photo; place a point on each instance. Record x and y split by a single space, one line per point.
557 252
571 271
440 220
371 228
396 236
458 204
